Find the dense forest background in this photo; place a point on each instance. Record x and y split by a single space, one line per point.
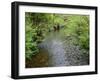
38 25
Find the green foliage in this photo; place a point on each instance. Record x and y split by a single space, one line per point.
36 28
78 26
37 25
30 46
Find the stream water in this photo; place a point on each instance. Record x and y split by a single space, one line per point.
62 52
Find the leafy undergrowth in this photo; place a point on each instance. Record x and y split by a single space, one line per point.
75 30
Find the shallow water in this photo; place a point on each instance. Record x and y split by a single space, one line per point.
58 50
62 52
